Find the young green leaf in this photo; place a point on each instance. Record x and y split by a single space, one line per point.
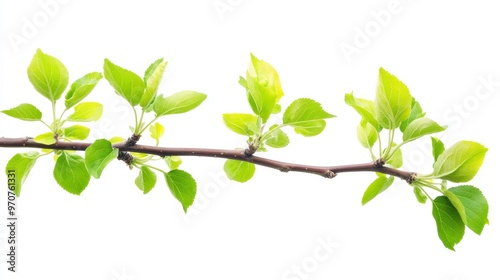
457 204
367 134
81 88
416 113
25 112
396 158
146 180
244 124
20 165
156 131
450 227
98 155
306 116
71 174
475 206
364 107
437 148
45 138
277 138
421 127
126 83
48 75
460 162
419 194
392 101
152 78
376 187
76 132
177 103
183 187
116 139
173 162
239 171
86 112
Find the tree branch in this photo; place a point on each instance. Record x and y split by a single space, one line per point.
324 171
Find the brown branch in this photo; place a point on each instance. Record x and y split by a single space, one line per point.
325 171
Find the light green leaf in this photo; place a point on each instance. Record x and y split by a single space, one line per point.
437 148
25 112
98 155
457 204
306 116
116 139
421 127
76 132
156 131
239 171
419 194
364 107
173 162
86 112
416 113
244 124
126 83
152 79
460 162
450 227
20 165
146 180
367 134
177 103
396 160
376 187
392 101
475 206
71 174
81 88
45 138
48 75
277 138
183 187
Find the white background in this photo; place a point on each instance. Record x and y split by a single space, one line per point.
259 230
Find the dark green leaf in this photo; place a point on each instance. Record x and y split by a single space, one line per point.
239 171
20 165
244 124
146 180
421 127
126 83
306 116
48 75
392 101
177 103
81 88
71 174
376 187
76 132
25 112
460 162
98 155
475 206
86 112
183 187
449 224
364 107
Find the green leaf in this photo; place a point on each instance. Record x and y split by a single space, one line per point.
449 224
239 171
76 132
173 162
45 138
367 134
475 206
421 127
177 103
86 112
392 101
98 155
116 139
416 113
460 162
396 160
376 187
146 180
156 131
20 165
437 148
48 75
71 174
364 107
244 124
306 116
277 138
263 87
126 83
457 204
152 79
419 194
81 88
25 112
183 187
